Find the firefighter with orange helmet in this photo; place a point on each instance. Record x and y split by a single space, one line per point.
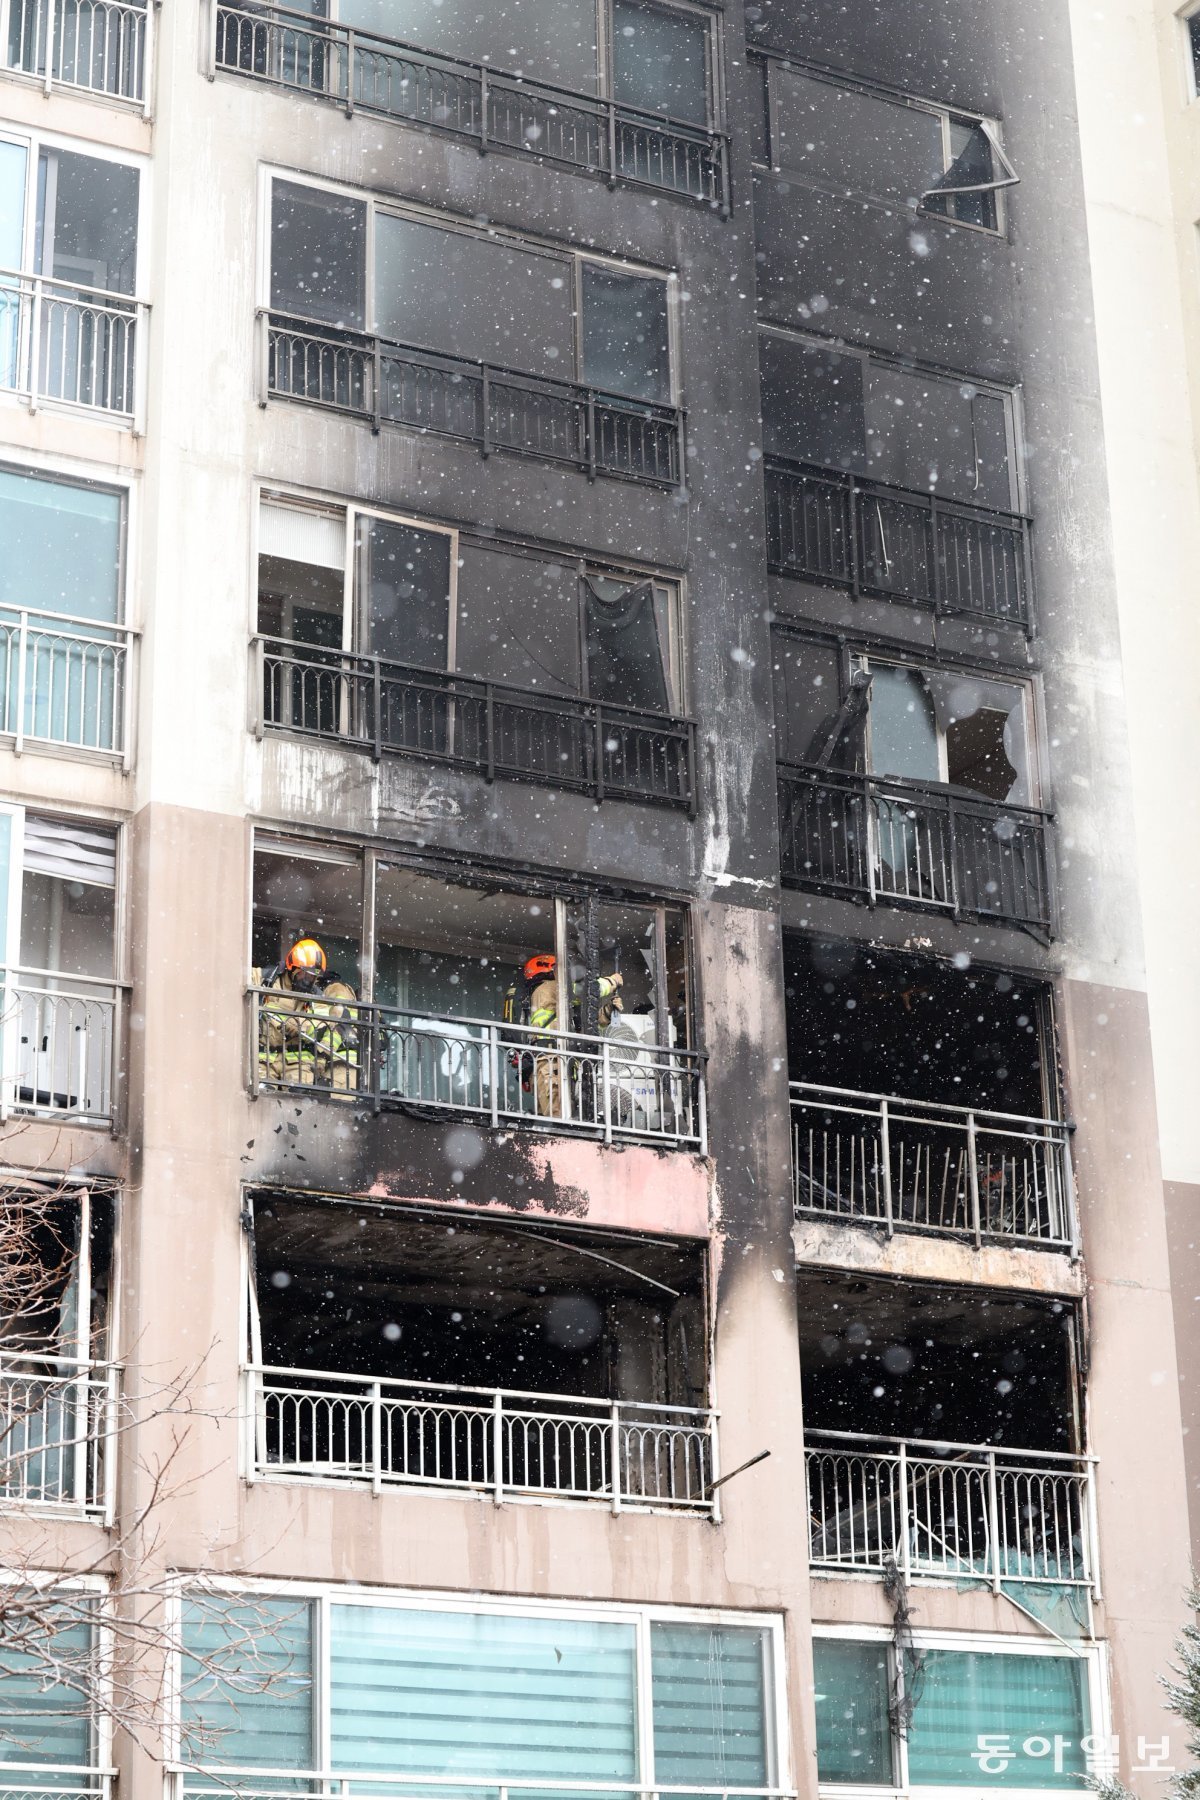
307 1033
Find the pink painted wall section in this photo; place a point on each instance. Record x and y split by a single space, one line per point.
628 1189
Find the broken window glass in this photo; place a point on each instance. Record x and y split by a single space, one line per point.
298 895
967 190
660 60
318 255
963 730
626 347
469 295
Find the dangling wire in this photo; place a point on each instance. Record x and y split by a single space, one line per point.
909 1661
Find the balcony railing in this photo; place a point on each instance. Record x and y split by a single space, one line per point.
221 1781
386 383
909 844
71 345
949 1511
386 78
58 1421
389 708
97 46
891 544
64 680
614 1087
509 1445
58 1043
63 1781
911 1165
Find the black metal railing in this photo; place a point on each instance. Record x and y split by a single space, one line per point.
909 844
450 396
890 544
382 76
389 708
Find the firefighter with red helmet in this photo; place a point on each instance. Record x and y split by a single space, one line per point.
534 1001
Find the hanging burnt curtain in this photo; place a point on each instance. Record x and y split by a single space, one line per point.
625 664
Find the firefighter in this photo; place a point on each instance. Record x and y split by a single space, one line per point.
534 1002
307 1032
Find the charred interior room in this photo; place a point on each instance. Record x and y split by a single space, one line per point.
895 1023
395 1293
901 1359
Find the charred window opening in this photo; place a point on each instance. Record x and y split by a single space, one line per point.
392 1344
884 1022
902 427
960 1366
402 1295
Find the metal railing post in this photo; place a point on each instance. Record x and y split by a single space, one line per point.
611 123
606 1090
589 426
483 110
498 1448
350 46
111 1402
1091 1547
885 1147
264 358
615 1454
952 847
994 1521
714 1461
22 653
35 343
259 696
973 1179
599 741
702 1108
852 518
51 16
376 710
376 385
376 1438
485 423
902 1500
935 574
494 1072
489 731
79 1442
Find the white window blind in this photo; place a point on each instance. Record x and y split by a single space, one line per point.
71 851
304 537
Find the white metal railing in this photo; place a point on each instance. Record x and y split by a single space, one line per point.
98 46
58 1420
64 680
221 1781
65 1781
67 344
914 1165
58 1045
622 1453
613 1086
950 1510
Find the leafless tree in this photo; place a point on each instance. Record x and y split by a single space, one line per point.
94 1634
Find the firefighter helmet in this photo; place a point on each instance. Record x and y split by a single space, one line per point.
305 957
539 967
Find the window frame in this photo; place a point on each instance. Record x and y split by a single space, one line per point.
948 116
66 472
572 258
33 140
18 809
462 538
714 60
323 1596
99 1722
560 894
1093 1654
1010 397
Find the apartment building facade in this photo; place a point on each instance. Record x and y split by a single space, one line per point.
621 488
